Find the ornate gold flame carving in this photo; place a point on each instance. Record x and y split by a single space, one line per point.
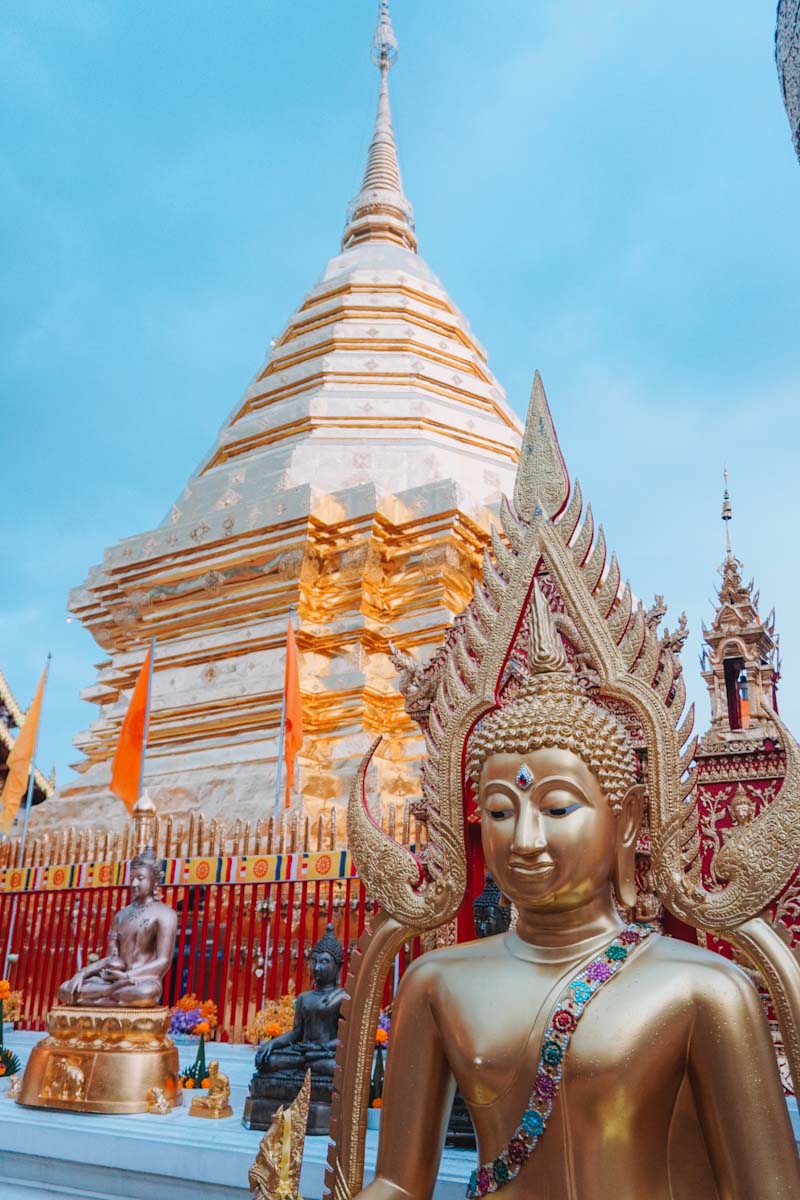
615 645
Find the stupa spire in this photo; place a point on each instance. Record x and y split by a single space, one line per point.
380 211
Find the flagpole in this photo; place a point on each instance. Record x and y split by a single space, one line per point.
28 804
146 716
281 739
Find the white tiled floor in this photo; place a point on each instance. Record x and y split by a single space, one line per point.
192 1158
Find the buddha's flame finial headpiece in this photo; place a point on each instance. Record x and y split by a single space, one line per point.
546 653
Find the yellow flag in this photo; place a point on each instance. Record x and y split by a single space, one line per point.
20 761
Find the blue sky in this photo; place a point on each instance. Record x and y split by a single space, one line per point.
608 191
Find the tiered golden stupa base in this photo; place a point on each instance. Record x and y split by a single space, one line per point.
102 1060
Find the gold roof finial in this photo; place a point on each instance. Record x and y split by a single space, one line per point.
727 513
380 211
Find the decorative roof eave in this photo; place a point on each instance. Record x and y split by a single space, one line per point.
7 698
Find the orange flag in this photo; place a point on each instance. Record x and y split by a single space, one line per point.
293 738
126 769
20 761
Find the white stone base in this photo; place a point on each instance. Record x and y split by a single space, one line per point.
49 1155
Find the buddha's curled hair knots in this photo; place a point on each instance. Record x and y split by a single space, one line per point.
539 718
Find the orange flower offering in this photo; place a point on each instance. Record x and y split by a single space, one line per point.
5 989
276 1017
378 1103
188 1083
205 1082
206 1008
381 1037
202 1027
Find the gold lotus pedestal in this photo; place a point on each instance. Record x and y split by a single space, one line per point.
103 1060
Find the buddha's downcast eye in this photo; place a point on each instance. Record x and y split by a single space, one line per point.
561 811
501 814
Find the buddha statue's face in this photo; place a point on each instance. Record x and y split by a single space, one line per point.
324 968
549 835
143 884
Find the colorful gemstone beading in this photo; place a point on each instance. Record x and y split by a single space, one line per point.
567 1011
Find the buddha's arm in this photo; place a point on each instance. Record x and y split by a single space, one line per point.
738 1094
417 1094
112 951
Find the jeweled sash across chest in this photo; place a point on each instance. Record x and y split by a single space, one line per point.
567 1012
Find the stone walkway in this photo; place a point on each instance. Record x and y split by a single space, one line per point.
49 1155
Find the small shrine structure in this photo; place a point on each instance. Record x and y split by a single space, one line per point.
741 763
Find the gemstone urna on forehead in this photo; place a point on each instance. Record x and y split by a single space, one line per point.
524 776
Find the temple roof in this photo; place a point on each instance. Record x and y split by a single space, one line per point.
736 614
11 718
740 661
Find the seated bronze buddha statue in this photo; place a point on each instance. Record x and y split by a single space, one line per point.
599 1059
282 1061
312 1040
108 1048
139 952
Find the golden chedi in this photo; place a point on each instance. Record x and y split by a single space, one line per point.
107 1048
599 1059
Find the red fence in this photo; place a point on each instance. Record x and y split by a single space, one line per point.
239 943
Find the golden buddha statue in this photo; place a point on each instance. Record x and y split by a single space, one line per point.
598 1058
215 1104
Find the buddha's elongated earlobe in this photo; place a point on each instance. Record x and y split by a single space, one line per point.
628 823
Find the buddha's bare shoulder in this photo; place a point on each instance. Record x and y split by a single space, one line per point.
436 963
691 958
431 972
164 912
701 976
698 975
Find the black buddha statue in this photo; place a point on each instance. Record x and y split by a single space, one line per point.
282 1062
489 914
